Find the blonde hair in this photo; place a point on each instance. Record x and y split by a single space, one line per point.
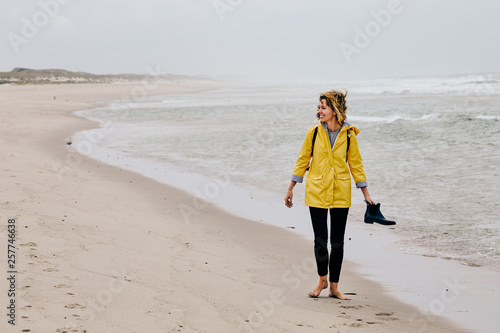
336 100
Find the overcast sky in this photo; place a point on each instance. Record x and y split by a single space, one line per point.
274 39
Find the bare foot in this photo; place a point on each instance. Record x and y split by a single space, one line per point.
321 285
335 293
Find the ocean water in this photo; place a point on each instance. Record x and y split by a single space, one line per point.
430 147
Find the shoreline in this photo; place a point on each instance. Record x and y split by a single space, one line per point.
110 245
450 288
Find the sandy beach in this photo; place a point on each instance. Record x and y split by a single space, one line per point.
101 249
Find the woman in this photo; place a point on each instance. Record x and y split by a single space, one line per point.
328 186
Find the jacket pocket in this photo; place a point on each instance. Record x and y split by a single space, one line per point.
315 177
344 176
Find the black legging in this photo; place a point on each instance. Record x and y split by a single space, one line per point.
338 218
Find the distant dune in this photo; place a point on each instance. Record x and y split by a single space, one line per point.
54 76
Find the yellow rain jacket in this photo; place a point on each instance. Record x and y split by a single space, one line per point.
328 182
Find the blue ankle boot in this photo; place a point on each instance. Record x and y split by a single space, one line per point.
373 214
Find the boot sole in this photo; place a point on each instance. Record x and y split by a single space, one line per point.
382 223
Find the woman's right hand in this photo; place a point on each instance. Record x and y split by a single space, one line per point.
288 198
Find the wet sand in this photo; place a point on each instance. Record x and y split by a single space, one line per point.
101 249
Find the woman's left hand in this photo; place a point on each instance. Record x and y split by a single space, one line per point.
370 200
367 196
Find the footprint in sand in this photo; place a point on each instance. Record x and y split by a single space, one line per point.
51 270
344 315
67 330
29 244
351 306
386 316
75 306
62 285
